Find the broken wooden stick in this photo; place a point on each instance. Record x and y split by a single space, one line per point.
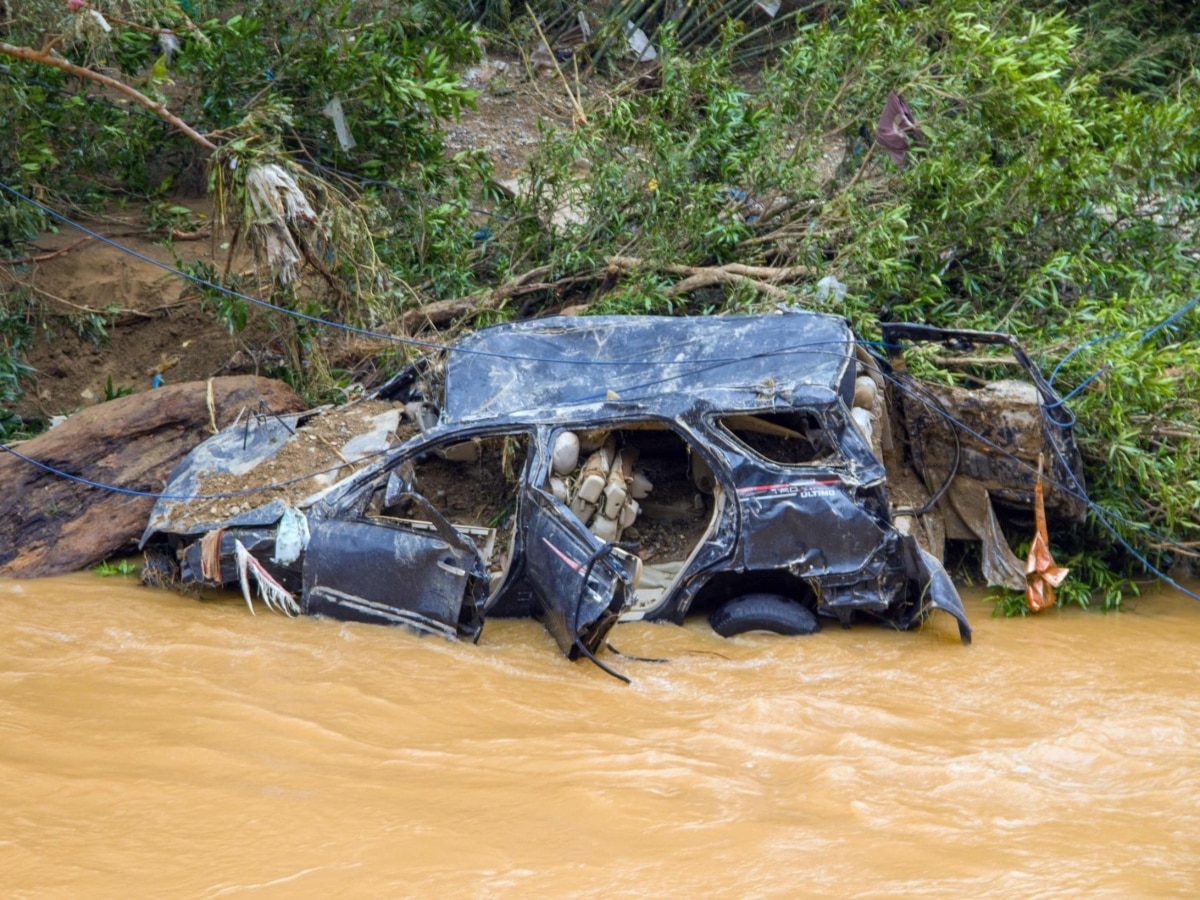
761 278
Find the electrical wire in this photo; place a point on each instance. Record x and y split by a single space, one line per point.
130 492
1170 320
351 329
1075 489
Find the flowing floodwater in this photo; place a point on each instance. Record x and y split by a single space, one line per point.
153 745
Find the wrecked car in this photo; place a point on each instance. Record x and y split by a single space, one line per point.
586 470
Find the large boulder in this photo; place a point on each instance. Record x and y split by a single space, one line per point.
50 524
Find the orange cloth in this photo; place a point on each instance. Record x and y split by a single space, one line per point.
1042 574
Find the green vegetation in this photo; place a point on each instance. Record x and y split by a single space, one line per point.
1052 191
123 567
112 392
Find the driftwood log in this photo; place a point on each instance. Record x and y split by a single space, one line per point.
763 279
50 525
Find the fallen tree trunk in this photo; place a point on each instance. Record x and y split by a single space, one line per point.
442 312
50 524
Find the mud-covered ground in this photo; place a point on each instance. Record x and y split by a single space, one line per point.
109 314
112 320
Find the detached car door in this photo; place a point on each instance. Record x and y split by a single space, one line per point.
579 585
385 572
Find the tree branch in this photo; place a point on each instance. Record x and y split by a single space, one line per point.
159 109
761 278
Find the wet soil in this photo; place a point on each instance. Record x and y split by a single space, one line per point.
105 314
108 321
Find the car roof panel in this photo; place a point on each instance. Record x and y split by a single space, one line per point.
663 364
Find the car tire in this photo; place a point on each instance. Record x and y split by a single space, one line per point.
763 612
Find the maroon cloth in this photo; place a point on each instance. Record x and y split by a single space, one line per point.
897 129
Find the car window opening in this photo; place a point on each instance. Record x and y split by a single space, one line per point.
794 438
644 488
474 485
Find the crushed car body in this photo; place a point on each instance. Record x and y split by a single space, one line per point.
588 469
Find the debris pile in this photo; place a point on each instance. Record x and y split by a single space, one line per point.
327 447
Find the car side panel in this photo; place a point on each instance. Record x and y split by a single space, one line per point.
372 571
809 523
578 587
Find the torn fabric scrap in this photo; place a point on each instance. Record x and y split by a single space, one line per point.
270 591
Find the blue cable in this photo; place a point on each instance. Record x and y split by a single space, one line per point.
316 320
1102 514
1103 520
130 492
1146 335
1171 319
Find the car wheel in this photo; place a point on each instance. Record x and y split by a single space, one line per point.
763 612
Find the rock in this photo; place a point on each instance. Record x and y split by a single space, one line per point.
50 525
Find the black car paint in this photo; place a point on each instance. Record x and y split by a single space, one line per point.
810 521
373 571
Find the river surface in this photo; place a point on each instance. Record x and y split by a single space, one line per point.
155 745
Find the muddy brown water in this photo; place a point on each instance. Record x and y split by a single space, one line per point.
153 745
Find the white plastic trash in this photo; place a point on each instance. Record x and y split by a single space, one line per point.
333 109
291 537
640 47
829 288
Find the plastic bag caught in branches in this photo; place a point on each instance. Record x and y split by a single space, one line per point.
279 206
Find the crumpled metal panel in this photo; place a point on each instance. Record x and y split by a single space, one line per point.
579 588
811 523
937 590
664 365
373 571
235 451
